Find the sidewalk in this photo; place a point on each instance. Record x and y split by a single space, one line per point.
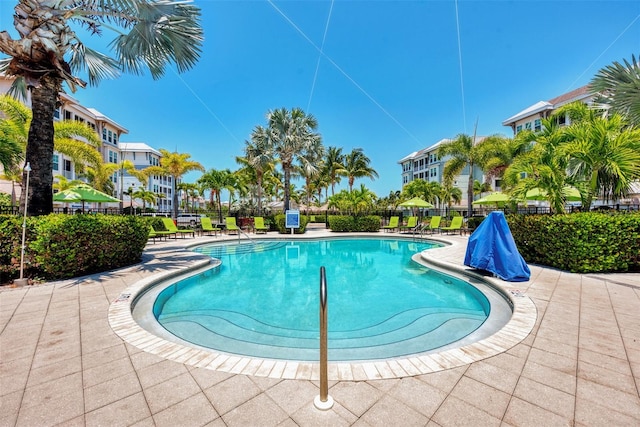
62 364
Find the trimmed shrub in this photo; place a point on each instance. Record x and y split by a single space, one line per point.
344 223
280 222
74 245
581 242
11 247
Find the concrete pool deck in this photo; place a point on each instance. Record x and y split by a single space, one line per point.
62 364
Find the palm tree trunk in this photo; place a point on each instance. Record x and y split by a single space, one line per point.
287 178
40 147
175 198
259 176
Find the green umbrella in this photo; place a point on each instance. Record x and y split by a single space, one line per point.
496 198
571 194
416 202
83 193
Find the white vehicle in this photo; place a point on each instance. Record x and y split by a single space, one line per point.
191 219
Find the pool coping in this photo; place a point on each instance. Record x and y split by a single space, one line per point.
517 329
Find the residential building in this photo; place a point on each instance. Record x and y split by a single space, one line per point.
142 156
531 117
113 150
427 165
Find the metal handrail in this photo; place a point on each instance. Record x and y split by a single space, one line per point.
323 401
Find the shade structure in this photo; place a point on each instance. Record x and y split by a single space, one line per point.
571 194
83 193
495 198
416 202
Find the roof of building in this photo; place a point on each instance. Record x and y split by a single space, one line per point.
99 116
540 106
137 146
431 148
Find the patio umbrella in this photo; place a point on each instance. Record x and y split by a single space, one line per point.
495 198
570 193
83 193
416 202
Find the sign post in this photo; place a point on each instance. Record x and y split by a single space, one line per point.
292 220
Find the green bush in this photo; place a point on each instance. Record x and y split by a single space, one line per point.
66 246
280 221
581 243
11 245
344 223
474 222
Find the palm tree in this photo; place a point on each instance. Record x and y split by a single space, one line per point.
258 155
13 132
429 191
618 86
48 52
604 152
481 187
543 167
356 165
450 194
334 166
496 152
291 137
465 153
14 129
145 196
100 175
64 184
215 181
309 167
174 165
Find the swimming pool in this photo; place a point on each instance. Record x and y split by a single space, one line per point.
262 301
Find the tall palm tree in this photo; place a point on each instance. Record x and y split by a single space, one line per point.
357 165
99 176
334 166
259 156
496 152
292 136
429 191
48 52
464 152
175 165
618 86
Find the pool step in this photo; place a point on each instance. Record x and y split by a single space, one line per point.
408 333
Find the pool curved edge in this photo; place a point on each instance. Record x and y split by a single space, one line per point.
517 329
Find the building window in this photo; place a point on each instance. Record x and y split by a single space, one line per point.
562 120
113 157
56 113
56 162
518 129
537 125
67 115
110 139
527 126
104 134
67 165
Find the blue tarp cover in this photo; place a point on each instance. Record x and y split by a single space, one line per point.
491 247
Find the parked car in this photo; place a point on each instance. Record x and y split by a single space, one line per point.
191 219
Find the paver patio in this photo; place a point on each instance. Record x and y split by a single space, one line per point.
62 364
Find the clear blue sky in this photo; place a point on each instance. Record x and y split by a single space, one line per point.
389 81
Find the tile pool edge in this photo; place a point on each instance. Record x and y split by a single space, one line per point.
514 331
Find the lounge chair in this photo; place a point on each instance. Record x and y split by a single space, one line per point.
456 225
258 225
433 225
412 223
393 223
231 225
170 226
207 226
158 234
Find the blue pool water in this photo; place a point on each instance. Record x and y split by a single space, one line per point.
263 300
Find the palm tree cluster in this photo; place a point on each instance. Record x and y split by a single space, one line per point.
287 148
598 153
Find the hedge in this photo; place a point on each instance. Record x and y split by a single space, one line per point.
61 246
280 221
581 243
343 223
